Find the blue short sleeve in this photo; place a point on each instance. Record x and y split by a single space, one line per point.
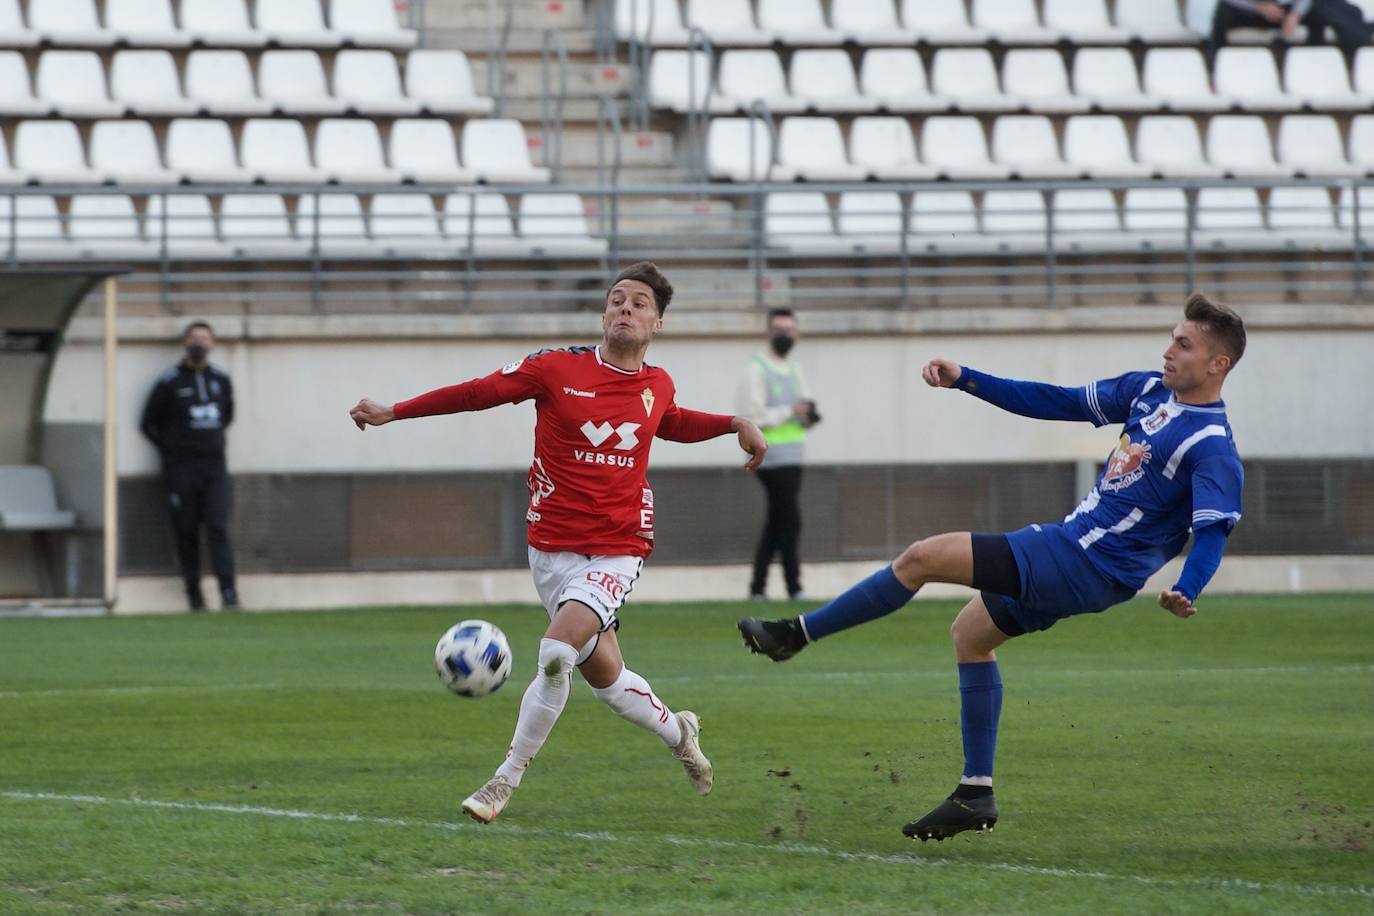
1217 484
1109 400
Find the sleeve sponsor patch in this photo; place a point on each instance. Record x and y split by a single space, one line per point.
511 367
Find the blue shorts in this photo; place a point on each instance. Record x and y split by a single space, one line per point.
1057 581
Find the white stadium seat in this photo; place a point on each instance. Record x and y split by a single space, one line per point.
1240 145
258 226
495 150
38 228
1082 21
1249 77
424 150
1086 217
1229 217
1097 146
1361 144
298 24
441 81
870 22
941 22
13 32
1036 78
1107 78
799 221
681 80
369 82
1346 210
340 229
1310 145
943 219
1011 21
481 223
726 22
16 95
956 148
1026 145
813 149
293 81
106 226
350 150
275 150
220 23
8 174
1362 73
406 224
727 151
824 80
1015 218
202 150
1178 77
369 23
51 152
146 83
146 23
967 77
221 84
188 229
1156 212
655 22
896 79
1153 21
126 152
1171 146
68 22
870 221
796 22
884 147
1318 78
1306 212
74 83
556 223
746 75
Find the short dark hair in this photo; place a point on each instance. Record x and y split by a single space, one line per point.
780 313
197 324
647 272
1223 327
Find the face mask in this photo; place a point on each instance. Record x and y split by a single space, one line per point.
781 344
197 353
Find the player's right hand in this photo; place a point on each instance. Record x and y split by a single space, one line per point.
941 373
369 413
1177 603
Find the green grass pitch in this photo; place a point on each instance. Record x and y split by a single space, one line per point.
311 763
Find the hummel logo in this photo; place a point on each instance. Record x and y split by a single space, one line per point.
578 394
598 433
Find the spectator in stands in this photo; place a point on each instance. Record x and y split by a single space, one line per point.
1344 19
774 394
185 417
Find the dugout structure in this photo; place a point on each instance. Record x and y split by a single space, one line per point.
57 480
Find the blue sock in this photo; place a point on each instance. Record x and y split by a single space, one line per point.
980 696
877 596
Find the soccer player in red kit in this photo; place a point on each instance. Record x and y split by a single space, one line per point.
591 512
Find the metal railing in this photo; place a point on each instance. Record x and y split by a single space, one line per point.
552 122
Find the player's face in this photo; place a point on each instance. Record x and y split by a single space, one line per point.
1189 361
631 317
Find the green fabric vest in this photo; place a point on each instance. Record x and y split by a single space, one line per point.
782 387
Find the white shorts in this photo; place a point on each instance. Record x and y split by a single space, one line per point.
602 583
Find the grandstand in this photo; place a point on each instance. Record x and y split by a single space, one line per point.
369 177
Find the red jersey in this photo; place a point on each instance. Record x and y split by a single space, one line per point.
594 426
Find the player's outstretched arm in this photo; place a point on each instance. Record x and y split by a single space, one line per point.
750 440
941 373
1177 603
369 413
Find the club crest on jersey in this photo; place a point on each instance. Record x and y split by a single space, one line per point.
1157 420
1127 464
647 397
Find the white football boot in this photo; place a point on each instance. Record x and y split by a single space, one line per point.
688 751
487 802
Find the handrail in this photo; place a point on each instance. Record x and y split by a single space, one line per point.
698 118
496 55
608 117
553 128
759 109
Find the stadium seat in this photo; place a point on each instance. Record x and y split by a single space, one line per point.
799 221
1362 73
8 174
38 229
73 82
1086 218
884 147
495 150
106 226
13 32
556 224
68 23
145 23
726 22
146 83
1082 22
1108 79
369 82
956 148
870 221
298 24
16 94
1249 78
654 22
125 152
341 229
258 226
940 22
293 81
823 79
672 76
202 150
1230 218
1012 22
1026 145
1096 145
1178 78
350 150
1171 147
1361 144
407 224
369 23
441 81
796 22
1153 22
870 22
1345 207
746 75
1317 77
481 223
275 150
1240 145
813 149
1310 145
943 220
896 79
424 151
728 147
1035 77
51 153
967 77
1305 212
221 84
1015 219
1156 214
188 229
220 23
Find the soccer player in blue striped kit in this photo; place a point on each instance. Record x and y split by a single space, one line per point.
1175 468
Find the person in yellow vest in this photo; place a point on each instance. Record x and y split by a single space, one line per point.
774 394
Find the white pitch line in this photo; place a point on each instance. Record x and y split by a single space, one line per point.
824 852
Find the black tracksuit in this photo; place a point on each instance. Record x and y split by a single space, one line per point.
185 417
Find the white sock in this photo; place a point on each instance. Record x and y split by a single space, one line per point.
631 698
540 707
976 781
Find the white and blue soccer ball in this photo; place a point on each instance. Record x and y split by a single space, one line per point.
473 658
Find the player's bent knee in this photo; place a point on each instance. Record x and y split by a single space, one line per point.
913 564
556 658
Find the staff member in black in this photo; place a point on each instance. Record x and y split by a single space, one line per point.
185 417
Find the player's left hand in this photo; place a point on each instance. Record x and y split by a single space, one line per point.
750 440
369 413
1177 603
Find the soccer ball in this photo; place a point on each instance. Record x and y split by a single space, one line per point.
473 658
